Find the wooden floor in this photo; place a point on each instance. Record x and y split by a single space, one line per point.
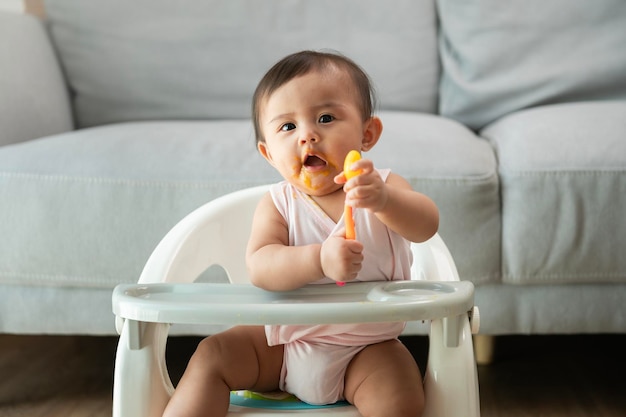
539 376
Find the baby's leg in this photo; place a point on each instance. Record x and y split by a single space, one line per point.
238 358
383 380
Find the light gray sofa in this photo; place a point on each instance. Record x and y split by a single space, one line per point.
118 118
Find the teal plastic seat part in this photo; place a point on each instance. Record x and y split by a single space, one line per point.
286 404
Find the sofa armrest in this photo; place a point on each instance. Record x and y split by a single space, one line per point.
34 100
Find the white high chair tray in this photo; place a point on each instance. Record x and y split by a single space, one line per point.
324 304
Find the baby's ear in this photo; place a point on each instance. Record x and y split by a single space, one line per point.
265 152
373 130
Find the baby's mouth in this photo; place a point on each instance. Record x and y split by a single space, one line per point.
314 162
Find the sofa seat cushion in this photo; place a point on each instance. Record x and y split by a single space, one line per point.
457 169
563 179
86 208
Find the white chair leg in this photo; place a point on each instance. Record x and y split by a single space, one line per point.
142 386
451 381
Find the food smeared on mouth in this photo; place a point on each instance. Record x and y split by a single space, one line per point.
309 170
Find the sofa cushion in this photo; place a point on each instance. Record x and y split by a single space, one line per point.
563 179
33 99
499 57
449 163
551 309
147 59
86 208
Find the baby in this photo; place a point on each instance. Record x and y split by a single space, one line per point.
309 111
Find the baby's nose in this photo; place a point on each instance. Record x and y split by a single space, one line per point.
309 139
309 136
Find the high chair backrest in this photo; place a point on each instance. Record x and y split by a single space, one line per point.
216 234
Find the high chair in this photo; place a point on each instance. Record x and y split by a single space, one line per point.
216 233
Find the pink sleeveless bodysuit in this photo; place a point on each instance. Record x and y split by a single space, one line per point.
316 357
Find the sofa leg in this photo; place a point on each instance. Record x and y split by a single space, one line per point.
484 345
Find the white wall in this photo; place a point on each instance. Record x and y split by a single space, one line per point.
12 6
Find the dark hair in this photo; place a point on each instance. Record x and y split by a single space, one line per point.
304 62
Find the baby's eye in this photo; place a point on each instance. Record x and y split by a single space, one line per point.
287 126
326 118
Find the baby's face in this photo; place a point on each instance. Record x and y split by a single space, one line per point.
309 125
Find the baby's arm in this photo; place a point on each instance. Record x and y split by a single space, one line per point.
276 266
405 211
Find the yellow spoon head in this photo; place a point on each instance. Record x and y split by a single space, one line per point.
351 158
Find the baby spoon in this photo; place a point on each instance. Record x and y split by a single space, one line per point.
351 158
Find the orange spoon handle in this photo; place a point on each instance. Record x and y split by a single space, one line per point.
351 158
349 220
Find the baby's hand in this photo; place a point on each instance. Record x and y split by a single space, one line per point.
366 190
341 259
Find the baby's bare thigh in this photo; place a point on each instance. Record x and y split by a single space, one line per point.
384 380
245 360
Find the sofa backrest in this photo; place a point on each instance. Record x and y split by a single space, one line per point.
201 59
502 56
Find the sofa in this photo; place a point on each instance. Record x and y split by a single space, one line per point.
119 118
